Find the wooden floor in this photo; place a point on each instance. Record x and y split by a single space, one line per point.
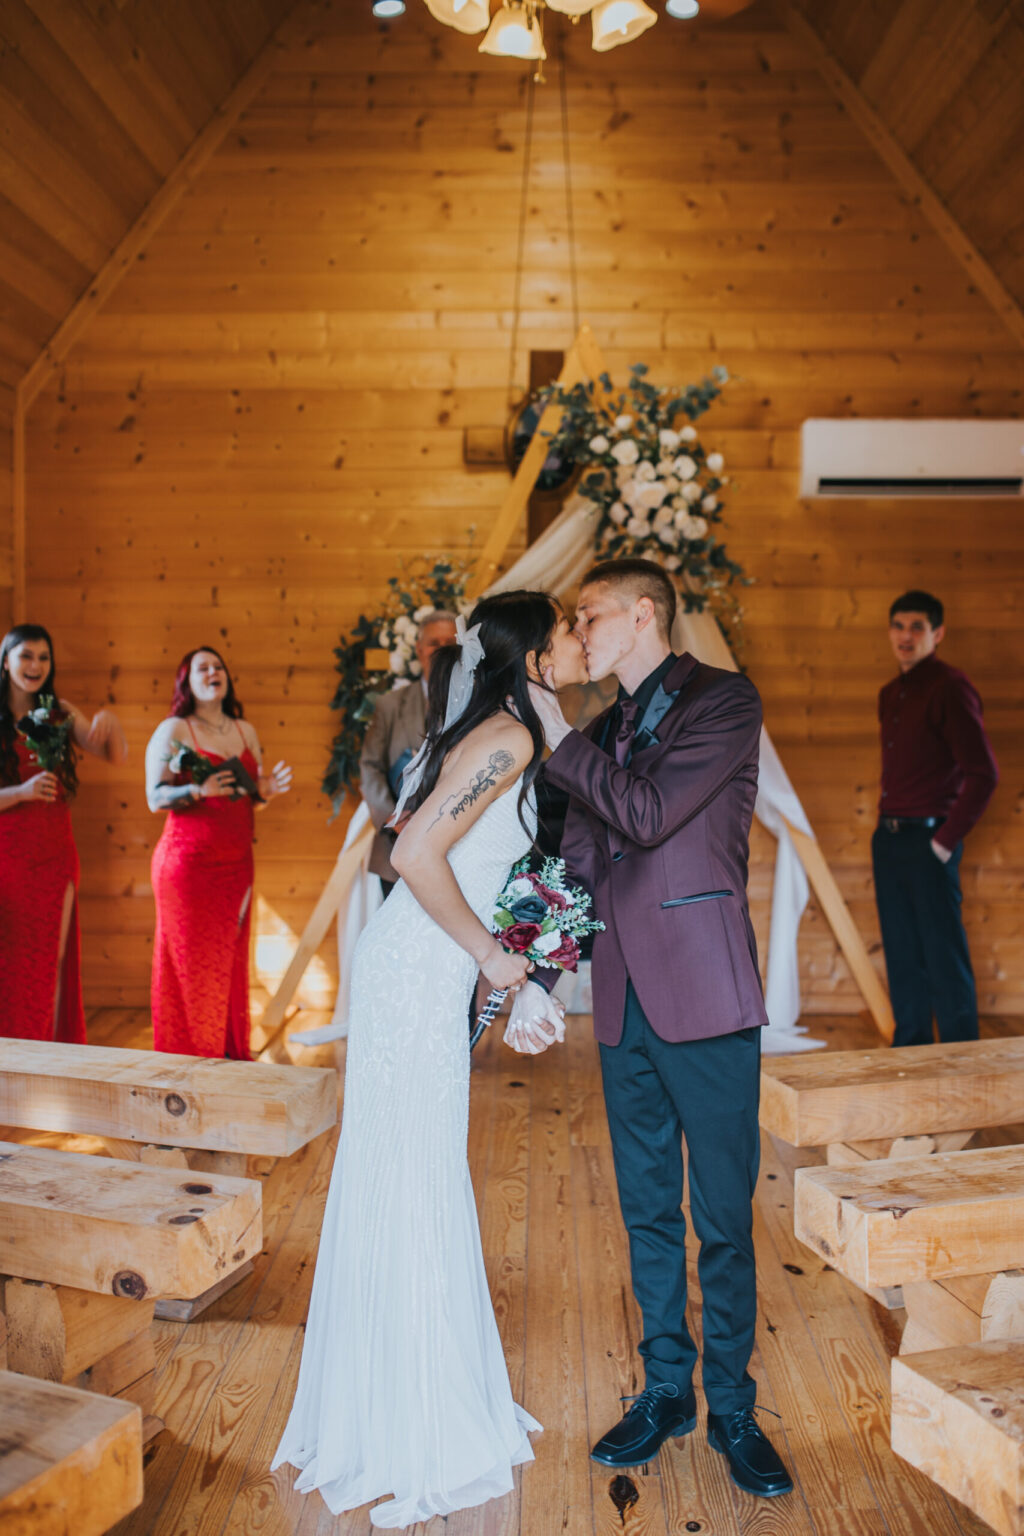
556 1257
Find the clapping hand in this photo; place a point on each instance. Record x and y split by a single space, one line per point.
277 782
220 783
536 1021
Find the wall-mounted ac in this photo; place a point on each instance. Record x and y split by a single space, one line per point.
855 457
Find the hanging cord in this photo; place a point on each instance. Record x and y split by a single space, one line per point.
521 241
567 180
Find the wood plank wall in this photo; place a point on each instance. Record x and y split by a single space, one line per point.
6 524
268 418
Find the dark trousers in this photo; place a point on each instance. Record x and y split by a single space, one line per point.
658 1092
926 954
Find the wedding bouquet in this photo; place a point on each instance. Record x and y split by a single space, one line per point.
192 765
47 731
542 916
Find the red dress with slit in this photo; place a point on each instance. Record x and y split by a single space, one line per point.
202 876
38 861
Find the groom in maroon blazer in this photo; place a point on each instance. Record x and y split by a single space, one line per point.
662 788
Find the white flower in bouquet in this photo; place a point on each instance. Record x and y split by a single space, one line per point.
396 662
626 452
519 889
715 463
667 536
39 715
698 527
645 470
685 467
639 527
671 483
669 439
415 668
422 612
650 495
599 444
663 518
618 514
624 422
710 504
547 943
405 626
688 434
673 563
623 476
692 491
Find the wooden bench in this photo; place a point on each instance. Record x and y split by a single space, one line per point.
185 1111
88 1245
958 1415
948 1228
923 1099
70 1461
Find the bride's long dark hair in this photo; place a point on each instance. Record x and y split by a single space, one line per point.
511 625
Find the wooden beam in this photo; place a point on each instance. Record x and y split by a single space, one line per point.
18 575
848 93
127 252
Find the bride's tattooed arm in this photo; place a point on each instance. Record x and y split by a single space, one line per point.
498 764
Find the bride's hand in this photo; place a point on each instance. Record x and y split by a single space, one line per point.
504 971
549 711
536 1021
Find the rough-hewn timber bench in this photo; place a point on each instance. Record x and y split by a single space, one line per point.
863 1105
70 1461
89 1244
948 1228
958 1415
185 1111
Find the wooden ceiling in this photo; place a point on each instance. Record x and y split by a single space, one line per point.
99 100
946 77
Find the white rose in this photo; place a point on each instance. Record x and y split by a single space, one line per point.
39 715
673 563
688 435
624 422
645 470
598 444
672 483
667 536
663 517
685 467
668 439
623 476
650 495
399 682
617 513
626 452
715 463
698 527
547 943
421 613
396 661
710 504
520 888
415 668
405 626
692 491
638 527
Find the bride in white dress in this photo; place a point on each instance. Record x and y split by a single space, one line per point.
403 1388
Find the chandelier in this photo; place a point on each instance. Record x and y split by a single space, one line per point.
516 29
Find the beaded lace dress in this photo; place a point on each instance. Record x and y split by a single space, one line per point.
403 1388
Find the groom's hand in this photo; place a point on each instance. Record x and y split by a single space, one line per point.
549 710
536 1021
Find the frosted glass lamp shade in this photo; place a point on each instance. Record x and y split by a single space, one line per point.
463 15
572 7
514 34
620 21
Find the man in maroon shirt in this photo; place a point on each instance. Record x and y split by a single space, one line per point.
938 775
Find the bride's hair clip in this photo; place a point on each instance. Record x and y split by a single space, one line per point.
460 691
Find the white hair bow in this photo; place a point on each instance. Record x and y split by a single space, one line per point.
460 691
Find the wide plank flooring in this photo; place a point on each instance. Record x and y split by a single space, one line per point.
557 1261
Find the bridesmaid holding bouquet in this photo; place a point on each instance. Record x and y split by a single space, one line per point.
203 766
40 974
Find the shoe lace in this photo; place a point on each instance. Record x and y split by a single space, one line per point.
743 1419
646 1402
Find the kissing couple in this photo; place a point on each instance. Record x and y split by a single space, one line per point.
403 1388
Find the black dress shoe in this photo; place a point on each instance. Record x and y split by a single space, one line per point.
657 1413
755 1464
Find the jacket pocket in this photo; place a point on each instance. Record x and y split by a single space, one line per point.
685 901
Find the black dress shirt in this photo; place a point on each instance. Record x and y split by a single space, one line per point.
642 696
936 757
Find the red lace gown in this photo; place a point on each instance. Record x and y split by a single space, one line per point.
202 872
38 861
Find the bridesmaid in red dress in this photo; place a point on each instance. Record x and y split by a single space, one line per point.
40 975
203 864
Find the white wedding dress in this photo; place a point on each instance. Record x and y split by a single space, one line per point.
403 1387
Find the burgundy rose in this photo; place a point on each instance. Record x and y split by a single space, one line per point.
554 899
567 955
520 936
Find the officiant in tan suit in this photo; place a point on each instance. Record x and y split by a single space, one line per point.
394 735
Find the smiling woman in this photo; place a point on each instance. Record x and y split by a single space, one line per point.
40 978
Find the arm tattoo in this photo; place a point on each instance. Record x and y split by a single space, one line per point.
498 764
166 795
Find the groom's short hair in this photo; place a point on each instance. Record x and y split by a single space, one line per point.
638 578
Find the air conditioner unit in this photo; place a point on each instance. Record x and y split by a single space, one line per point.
855 457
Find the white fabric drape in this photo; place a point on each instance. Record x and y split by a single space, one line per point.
555 563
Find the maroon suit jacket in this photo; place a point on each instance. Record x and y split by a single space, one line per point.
662 847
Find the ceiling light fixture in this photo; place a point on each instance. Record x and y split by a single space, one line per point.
515 32
387 10
682 10
620 21
464 15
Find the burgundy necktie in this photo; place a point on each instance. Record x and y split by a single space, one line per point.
624 736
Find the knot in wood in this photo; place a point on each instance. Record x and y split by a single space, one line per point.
198 1189
128 1283
175 1104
